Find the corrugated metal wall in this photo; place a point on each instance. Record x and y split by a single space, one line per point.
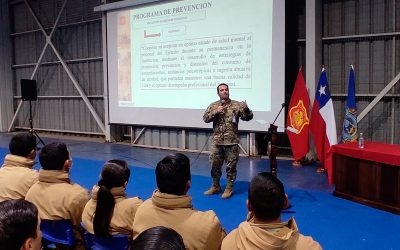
365 33
78 40
6 83
189 139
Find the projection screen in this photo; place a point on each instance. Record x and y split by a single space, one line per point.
166 59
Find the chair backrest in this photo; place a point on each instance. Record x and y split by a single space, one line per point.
58 231
115 242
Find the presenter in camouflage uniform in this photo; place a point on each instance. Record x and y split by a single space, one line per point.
225 115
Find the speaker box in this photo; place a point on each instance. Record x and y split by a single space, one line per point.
28 90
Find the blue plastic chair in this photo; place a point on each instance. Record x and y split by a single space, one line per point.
58 231
115 242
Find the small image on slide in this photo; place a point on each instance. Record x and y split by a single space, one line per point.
124 57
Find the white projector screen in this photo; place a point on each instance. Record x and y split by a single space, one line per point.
165 61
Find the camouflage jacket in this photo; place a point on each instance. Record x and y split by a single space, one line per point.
225 125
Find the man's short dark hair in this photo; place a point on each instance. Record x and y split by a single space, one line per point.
53 156
222 84
172 174
266 196
158 238
18 222
22 144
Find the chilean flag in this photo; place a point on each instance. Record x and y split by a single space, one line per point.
322 123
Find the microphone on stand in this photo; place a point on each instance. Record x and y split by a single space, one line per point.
222 102
271 125
283 105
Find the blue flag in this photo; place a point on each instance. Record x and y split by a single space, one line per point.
349 133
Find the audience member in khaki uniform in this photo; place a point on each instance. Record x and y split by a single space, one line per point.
54 194
264 229
16 174
19 226
170 206
109 211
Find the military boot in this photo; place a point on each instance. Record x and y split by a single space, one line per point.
228 190
214 189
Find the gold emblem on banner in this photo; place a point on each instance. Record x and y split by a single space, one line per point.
298 117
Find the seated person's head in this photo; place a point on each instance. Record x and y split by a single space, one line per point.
23 144
158 238
173 174
55 156
116 167
115 173
19 225
266 197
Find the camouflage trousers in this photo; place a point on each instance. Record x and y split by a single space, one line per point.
221 153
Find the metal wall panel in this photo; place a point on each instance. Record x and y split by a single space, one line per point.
379 118
334 15
195 140
349 18
334 65
349 57
379 16
338 110
21 19
6 84
364 67
200 140
397 123
396 11
397 55
363 20
378 80
25 52
94 40
78 41
95 77
374 54
302 57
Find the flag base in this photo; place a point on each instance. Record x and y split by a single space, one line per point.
296 164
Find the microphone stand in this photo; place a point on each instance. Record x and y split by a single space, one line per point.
273 150
283 105
267 136
272 138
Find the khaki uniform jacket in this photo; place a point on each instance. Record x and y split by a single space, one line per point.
124 211
57 198
268 236
16 177
199 230
225 126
